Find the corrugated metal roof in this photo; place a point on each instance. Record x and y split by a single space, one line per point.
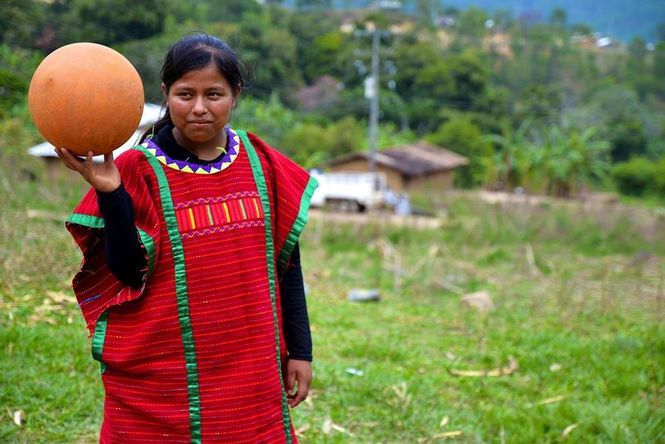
415 159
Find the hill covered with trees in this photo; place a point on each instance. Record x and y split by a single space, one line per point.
622 19
539 105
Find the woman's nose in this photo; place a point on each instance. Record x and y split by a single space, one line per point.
199 106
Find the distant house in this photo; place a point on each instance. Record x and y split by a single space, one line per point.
419 166
56 170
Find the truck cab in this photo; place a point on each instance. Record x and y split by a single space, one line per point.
350 191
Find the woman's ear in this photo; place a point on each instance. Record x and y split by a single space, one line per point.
236 96
164 92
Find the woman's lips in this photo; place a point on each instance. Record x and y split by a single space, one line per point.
199 125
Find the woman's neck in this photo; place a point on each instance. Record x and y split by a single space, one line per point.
205 151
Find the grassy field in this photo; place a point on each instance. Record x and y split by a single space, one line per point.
577 325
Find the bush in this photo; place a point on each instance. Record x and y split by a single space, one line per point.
12 90
640 176
461 135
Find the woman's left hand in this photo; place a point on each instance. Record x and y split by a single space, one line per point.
297 378
103 177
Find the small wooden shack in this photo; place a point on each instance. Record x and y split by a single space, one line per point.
415 167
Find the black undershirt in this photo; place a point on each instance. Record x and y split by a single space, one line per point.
127 261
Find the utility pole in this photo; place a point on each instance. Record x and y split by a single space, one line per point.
374 94
372 82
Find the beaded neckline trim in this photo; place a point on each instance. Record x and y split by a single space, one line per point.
190 167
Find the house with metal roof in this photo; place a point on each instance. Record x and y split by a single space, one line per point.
418 166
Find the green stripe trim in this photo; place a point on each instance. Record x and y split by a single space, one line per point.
86 220
262 188
297 227
98 338
97 222
181 297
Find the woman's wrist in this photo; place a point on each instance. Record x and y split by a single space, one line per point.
108 187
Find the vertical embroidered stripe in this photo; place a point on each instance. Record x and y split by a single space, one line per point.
210 218
200 216
181 296
262 187
226 212
242 208
256 208
191 218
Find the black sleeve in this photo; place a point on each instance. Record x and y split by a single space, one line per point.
294 310
124 254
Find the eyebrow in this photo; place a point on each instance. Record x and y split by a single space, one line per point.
212 88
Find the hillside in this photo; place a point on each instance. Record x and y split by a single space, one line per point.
623 19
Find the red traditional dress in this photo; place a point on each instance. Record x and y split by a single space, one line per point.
196 354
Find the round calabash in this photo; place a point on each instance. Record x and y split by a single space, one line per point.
86 97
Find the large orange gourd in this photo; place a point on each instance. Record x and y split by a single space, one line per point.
86 97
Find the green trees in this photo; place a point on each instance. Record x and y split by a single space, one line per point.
113 21
16 68
526 101
19 22
312 144
553 160
461 135
620 117
507 168
640 176
570 157
430 79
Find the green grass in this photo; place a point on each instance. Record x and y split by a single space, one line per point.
588 329
583 320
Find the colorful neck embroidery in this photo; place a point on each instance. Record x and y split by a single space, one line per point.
189 167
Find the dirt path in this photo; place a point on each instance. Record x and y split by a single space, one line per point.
378 217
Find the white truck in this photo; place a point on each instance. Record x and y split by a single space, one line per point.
351 191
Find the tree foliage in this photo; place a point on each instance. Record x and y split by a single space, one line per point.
521 97
461 135
640 176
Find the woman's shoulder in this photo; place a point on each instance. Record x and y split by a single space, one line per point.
262 147
132 159
255 140
274 160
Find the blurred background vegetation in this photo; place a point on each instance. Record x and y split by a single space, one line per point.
534 101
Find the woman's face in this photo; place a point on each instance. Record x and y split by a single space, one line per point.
200 104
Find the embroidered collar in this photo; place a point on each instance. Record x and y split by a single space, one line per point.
191 167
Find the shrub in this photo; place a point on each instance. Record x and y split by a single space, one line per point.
13 88
640 176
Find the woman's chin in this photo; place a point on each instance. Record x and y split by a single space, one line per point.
201 138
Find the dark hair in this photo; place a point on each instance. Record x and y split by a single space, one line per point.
193 52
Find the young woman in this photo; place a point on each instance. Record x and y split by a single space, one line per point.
190 283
